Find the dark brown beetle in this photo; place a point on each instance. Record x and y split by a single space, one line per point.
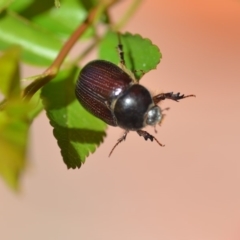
113 95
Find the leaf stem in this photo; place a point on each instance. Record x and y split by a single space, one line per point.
130 11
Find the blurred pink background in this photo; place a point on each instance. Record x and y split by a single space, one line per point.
188 190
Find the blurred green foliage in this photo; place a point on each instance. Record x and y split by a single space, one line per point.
34 32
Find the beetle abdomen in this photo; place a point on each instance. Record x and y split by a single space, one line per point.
99 83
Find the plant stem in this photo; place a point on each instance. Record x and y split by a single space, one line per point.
130 11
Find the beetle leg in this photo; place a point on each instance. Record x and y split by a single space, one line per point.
110 109
155 129
119 141
147 136
122 60
121 52
170 95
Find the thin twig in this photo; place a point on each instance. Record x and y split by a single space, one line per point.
127 15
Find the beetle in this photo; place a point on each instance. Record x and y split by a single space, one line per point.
112 94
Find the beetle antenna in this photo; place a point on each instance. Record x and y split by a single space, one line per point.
119 141
147 136
120 51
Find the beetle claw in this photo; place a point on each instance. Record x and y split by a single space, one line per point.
147 136
123 138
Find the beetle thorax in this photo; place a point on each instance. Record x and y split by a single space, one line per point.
134 109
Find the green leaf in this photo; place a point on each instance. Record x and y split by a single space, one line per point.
39 46
31 8
37 106
59 21
4 4
9 69
78 132
62 21
139 53
14 119
14 127
20 5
